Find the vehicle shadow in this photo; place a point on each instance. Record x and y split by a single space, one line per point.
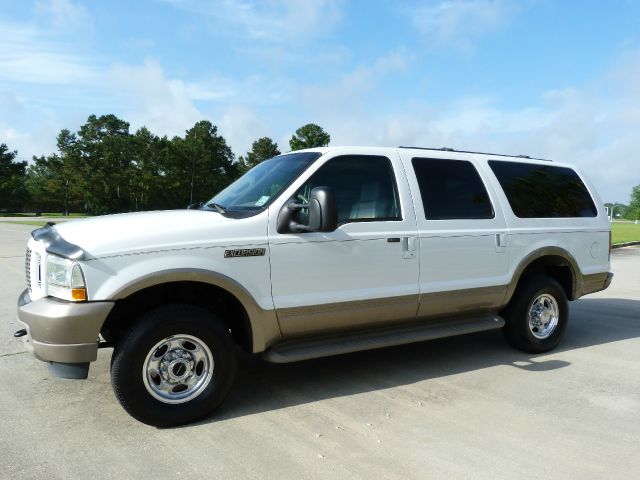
262 386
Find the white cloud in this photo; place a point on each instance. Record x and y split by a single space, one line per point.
256 90
277 21
40 140
211 90
64 13
241 126
460 23
351 90
145 96
30 55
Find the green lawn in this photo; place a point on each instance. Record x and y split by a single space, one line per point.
43 214
625 232
27 222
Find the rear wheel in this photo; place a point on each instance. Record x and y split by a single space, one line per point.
537 316
175 365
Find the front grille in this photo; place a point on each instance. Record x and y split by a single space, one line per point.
27 268
38 271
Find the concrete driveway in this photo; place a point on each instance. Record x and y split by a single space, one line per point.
465 407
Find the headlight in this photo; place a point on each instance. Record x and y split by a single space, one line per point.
65 279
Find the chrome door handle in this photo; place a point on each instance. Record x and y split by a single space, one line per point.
408 247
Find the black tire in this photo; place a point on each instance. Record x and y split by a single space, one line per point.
136 346
517 330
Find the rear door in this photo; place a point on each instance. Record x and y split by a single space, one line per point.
363 274
463 235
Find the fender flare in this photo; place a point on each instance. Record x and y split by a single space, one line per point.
576 274
263 323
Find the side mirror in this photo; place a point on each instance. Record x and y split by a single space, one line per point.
323 213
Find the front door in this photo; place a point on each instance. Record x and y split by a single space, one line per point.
363 274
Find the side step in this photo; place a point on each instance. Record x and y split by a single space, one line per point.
296 350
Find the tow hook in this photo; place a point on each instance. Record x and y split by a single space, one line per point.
20 333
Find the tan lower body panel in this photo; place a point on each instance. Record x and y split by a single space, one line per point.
342 316
594 283
67 353
456 302
365 314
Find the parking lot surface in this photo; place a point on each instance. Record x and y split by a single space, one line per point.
464 407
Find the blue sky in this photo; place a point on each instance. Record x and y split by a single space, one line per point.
554 79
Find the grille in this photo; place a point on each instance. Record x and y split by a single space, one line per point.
27 268
32 270
38 270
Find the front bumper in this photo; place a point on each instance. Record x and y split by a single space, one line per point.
60 331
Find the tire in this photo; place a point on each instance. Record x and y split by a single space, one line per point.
175 365
537 316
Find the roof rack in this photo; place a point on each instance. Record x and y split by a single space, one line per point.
447 149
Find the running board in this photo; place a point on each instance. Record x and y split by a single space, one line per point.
296 350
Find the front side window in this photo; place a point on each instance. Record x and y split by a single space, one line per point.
364 187
543 191
451 190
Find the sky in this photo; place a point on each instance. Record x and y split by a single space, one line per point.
551 79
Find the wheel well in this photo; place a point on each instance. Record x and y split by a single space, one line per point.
555 267
215 299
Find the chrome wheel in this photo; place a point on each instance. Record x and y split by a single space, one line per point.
543 316
177 369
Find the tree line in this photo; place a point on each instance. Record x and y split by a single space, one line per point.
104 168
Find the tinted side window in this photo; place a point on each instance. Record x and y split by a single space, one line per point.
364 186
451 189
543 191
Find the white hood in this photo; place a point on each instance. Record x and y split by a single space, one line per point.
144 231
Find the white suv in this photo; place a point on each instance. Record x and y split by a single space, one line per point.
312 253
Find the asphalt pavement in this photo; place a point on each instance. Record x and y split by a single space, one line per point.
463 407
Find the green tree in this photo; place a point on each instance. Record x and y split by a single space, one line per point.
261 150
102 150
13 193
633 211
309 136
148 171
618 210
200 165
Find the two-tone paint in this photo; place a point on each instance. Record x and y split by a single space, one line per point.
362 276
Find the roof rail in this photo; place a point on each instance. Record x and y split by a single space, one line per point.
447 149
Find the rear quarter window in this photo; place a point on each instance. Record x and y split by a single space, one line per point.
543 191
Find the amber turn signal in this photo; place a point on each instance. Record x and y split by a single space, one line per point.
79 294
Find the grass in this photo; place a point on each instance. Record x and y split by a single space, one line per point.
625 232
43 214
26 222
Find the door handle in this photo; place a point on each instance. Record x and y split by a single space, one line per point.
408 247
501 242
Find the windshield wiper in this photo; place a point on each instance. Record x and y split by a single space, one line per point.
217 206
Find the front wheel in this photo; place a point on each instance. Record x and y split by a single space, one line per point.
537 316
175 365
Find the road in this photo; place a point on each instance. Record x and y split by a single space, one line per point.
465 407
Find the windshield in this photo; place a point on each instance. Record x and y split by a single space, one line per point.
264 182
